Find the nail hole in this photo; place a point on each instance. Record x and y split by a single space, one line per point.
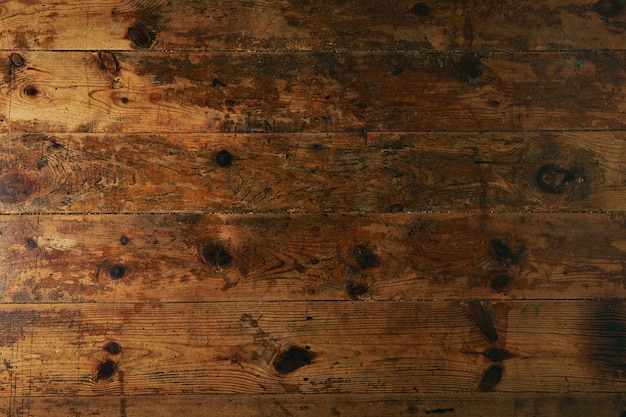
31 243
124 240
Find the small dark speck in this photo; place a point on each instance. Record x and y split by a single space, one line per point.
318 147
305 379
494 103
396 208
31 243
396 71
421 9
116 271
309 317
314 261
124 240
217 83
124 100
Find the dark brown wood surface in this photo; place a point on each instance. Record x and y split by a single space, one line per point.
311 208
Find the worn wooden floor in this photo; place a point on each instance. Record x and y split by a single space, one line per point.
313 208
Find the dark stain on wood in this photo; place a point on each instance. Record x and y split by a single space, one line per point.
124 240
365 257
12 324
554 179
504 254
483 319
469 66
108 62
356 290
212 253
607 337
491 378
17 187
31 243
609 8
500 283
293 358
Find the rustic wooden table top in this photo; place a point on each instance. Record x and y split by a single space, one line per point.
313 208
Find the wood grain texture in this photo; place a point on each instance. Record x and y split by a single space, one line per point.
303 25
289 405
312 172
312 92
175 258
320 347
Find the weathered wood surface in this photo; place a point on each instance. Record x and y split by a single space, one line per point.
174 258
289 405
319 347
224 92
312 172
318 25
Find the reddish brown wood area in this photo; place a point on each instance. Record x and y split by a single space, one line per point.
313 208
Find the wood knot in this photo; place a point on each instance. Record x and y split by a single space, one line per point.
224 158
140 35
554 179
113 348
116 271
105 370
109 63
609 8
293 358
499 283
421 9
497 354
492 377
17 60
355 290
213 253
31 91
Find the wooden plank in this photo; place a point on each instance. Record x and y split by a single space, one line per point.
319 347
271 172
313 91
288 405
138 258
303 25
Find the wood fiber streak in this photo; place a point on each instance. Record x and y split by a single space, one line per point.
352 347
322 25
365 405
177 258
315 91
312 172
